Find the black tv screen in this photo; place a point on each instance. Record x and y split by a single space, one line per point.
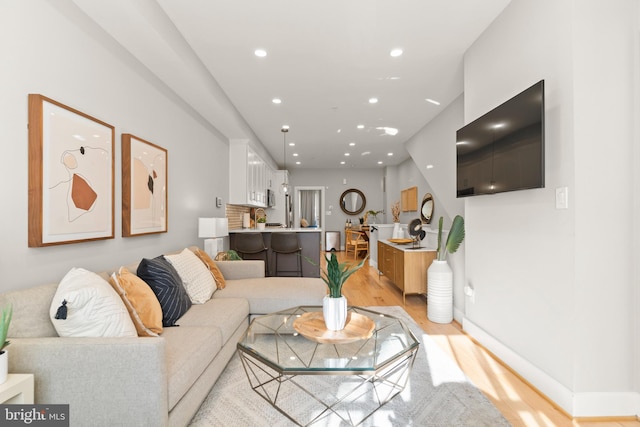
504 149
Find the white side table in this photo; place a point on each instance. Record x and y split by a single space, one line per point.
18 389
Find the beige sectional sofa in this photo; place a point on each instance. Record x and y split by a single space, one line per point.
146 381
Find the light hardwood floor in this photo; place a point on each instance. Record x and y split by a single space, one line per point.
521 404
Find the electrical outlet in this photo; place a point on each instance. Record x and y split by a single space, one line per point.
471 293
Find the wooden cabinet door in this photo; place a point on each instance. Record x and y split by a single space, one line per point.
389 266
381 247
398 266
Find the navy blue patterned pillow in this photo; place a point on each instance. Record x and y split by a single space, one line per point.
165 282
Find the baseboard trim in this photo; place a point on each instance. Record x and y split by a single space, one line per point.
622 404
576 405
458 315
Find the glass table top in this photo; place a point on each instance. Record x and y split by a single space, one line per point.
273 340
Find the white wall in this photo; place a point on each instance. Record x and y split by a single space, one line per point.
369 181
433 150
554 289
52 49
404 176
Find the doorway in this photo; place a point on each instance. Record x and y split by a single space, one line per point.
309 205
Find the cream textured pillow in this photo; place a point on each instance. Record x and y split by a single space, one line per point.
141 302
195 277
213 268
93 308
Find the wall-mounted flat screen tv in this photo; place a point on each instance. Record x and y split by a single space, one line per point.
504 149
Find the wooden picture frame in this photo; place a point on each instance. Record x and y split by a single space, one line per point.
71 175
144 187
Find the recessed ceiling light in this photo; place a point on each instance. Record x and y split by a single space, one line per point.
429 166
260 53
339 130
395 52
433 101
292 144
498 125
342 162
380 162
347 154
373 100
352 144
297 163
295 154
276 101
388 131
389 154
365 153
360 126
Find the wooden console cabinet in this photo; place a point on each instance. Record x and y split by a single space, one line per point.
406 268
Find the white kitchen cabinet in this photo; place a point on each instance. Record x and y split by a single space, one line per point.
247 175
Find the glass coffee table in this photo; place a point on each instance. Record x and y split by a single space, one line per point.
326 377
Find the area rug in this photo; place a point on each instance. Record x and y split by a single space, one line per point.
438 394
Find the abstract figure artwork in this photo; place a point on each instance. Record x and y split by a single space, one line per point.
71 175
144 187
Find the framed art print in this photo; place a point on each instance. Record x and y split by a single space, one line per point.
71 175
144 187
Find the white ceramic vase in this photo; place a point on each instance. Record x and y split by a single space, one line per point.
397 231
4 366
260 225
440 292
334 311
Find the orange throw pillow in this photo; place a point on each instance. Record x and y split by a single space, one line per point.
141 302
213 268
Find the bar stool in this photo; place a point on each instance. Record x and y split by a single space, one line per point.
251 246
287 244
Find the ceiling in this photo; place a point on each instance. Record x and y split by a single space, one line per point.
325 60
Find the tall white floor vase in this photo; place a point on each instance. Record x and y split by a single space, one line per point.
440 292
4 366
334 311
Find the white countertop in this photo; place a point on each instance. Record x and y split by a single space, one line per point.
276 230
409 247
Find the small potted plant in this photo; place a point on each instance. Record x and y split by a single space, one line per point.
374 215
334 305
261 222
5 321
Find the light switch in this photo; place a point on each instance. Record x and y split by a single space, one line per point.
562 198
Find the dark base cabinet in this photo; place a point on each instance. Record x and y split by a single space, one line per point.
310 243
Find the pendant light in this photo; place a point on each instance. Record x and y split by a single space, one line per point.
284 187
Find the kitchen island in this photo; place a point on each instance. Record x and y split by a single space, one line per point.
309 238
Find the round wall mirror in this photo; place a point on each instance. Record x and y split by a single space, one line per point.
352 201
426 211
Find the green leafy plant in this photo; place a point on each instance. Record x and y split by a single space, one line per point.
454 239
229 255
262 219
5 321
338 273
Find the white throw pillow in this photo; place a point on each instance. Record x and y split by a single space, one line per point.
93 308
196 278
